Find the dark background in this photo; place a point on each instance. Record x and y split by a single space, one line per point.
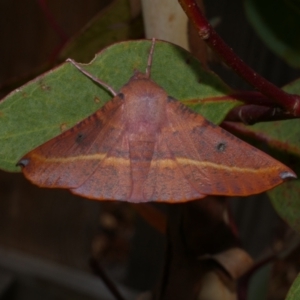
57 227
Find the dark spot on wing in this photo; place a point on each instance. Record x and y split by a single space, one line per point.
221 147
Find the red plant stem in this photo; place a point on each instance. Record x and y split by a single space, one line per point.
59 31
252 97
251 114
209 35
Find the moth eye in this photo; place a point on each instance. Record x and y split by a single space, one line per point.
221 147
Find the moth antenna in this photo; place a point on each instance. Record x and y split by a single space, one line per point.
105 85
149 64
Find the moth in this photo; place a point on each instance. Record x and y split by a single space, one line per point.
144 145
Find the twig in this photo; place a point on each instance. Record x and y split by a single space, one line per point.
59 31
97 269
252 97
209 35
251 114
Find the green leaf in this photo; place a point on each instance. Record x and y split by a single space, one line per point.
58 99
294 292
277 23
283 136
112 24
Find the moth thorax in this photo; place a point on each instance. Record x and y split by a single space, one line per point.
144 106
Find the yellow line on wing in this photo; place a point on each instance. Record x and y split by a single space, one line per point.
187 161
161 163
97 156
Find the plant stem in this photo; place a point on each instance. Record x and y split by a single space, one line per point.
52 21
56 27
107 281
252 97
251 114
290 102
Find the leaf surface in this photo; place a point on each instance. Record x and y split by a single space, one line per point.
294 292
277 23
283 137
